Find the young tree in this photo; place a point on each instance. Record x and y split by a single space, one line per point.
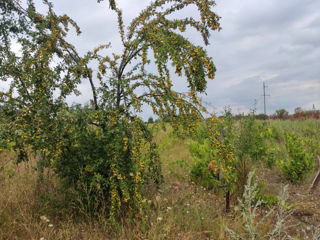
103 150
282 114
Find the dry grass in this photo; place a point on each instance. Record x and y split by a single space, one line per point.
22 205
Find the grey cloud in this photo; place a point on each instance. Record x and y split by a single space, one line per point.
275 38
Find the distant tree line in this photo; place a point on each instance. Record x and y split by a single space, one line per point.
282 114
299 114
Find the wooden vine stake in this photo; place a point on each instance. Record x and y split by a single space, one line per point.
316 179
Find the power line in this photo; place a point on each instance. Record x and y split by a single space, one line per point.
264 98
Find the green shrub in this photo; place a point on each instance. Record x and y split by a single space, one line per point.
201 174
300 162
214 165
107 167
270 158
200 171
250 141
267 199
201 133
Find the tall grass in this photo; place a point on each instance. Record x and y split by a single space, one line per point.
308 129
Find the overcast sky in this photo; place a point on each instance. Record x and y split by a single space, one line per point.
261 40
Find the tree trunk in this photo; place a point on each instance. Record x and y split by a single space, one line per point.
40 169
228 201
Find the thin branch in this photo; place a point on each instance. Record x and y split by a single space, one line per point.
25 88
89 73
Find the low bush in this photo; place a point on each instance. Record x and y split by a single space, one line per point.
299 162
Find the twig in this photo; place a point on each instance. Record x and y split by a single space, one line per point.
316 180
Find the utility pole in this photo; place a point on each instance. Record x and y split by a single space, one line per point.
264 98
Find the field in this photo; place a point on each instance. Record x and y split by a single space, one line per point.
96 169
179 209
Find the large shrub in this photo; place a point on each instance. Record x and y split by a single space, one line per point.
106 166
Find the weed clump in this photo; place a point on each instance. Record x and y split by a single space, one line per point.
253 222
